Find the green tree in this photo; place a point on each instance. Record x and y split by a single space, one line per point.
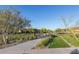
31 30
60 31
10 20
43 30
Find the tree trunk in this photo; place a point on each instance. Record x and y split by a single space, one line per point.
4 39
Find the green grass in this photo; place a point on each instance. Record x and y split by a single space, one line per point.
59 43
71 40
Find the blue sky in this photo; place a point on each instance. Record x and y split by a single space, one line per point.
47 16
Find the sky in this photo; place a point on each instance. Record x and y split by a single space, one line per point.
48 16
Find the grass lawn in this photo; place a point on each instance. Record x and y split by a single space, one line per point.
59 43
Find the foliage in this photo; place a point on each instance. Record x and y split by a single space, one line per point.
45 42
17 38
42 43
10 19
43 30
60 31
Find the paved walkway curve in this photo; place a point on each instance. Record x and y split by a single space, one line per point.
20 48
26 48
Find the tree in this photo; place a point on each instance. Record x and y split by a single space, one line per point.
43 30
31 30
10 20
60 31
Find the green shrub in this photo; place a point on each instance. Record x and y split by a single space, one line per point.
22 37
42 43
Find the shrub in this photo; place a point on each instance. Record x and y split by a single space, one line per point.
42 43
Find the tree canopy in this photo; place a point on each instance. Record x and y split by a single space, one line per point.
12 18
